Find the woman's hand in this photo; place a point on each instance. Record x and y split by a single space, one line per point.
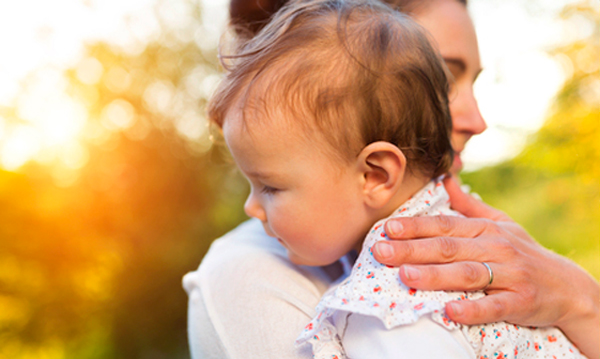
531 286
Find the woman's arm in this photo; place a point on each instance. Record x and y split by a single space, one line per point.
248 301
532 285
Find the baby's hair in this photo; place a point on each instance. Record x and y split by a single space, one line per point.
354 72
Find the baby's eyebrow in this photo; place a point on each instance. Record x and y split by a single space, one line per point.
261 175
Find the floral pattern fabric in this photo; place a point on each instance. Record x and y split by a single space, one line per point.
374 289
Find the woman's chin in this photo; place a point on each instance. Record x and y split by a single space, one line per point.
457 165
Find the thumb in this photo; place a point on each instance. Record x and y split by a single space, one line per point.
469 205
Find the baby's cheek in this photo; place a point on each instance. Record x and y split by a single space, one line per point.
313 248
308 238
291 225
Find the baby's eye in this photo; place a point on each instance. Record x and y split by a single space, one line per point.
269 190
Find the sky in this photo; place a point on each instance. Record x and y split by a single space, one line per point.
515 90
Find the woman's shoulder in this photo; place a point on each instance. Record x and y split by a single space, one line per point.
246 259
246 282
247 241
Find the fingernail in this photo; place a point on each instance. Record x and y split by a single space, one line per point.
384 250
411 273
394 228
456 309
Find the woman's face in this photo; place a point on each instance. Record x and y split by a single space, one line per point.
452 29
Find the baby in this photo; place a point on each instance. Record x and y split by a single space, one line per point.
337 113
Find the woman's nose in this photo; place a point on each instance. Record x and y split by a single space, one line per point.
253 208
467 118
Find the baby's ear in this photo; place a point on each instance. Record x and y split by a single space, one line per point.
382 166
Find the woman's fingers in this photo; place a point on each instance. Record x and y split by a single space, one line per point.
462 276
468 205
430 250
490 309
450 226
439 250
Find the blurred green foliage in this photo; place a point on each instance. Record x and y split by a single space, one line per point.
91 266
553 187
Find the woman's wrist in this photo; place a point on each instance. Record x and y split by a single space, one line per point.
581 323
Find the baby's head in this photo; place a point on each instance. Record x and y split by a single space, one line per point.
336 112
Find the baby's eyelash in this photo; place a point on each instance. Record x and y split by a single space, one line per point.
269 190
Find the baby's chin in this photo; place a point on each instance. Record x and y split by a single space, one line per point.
301 261
313 262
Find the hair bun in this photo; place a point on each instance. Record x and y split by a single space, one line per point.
250 16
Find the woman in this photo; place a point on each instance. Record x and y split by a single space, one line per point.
248 301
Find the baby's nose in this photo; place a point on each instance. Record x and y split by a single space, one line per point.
253 208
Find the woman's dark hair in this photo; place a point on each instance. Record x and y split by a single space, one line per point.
250 16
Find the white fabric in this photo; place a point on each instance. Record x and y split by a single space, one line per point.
247 301
422 339
373 298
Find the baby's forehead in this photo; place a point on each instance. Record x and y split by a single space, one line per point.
259 117
279 100
255 143
261 128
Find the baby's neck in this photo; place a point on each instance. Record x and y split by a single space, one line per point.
411 184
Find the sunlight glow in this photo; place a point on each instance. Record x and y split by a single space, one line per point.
118 115
55 117
117 79
89 71
190 126
22 143
159 96
43 43
515 90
